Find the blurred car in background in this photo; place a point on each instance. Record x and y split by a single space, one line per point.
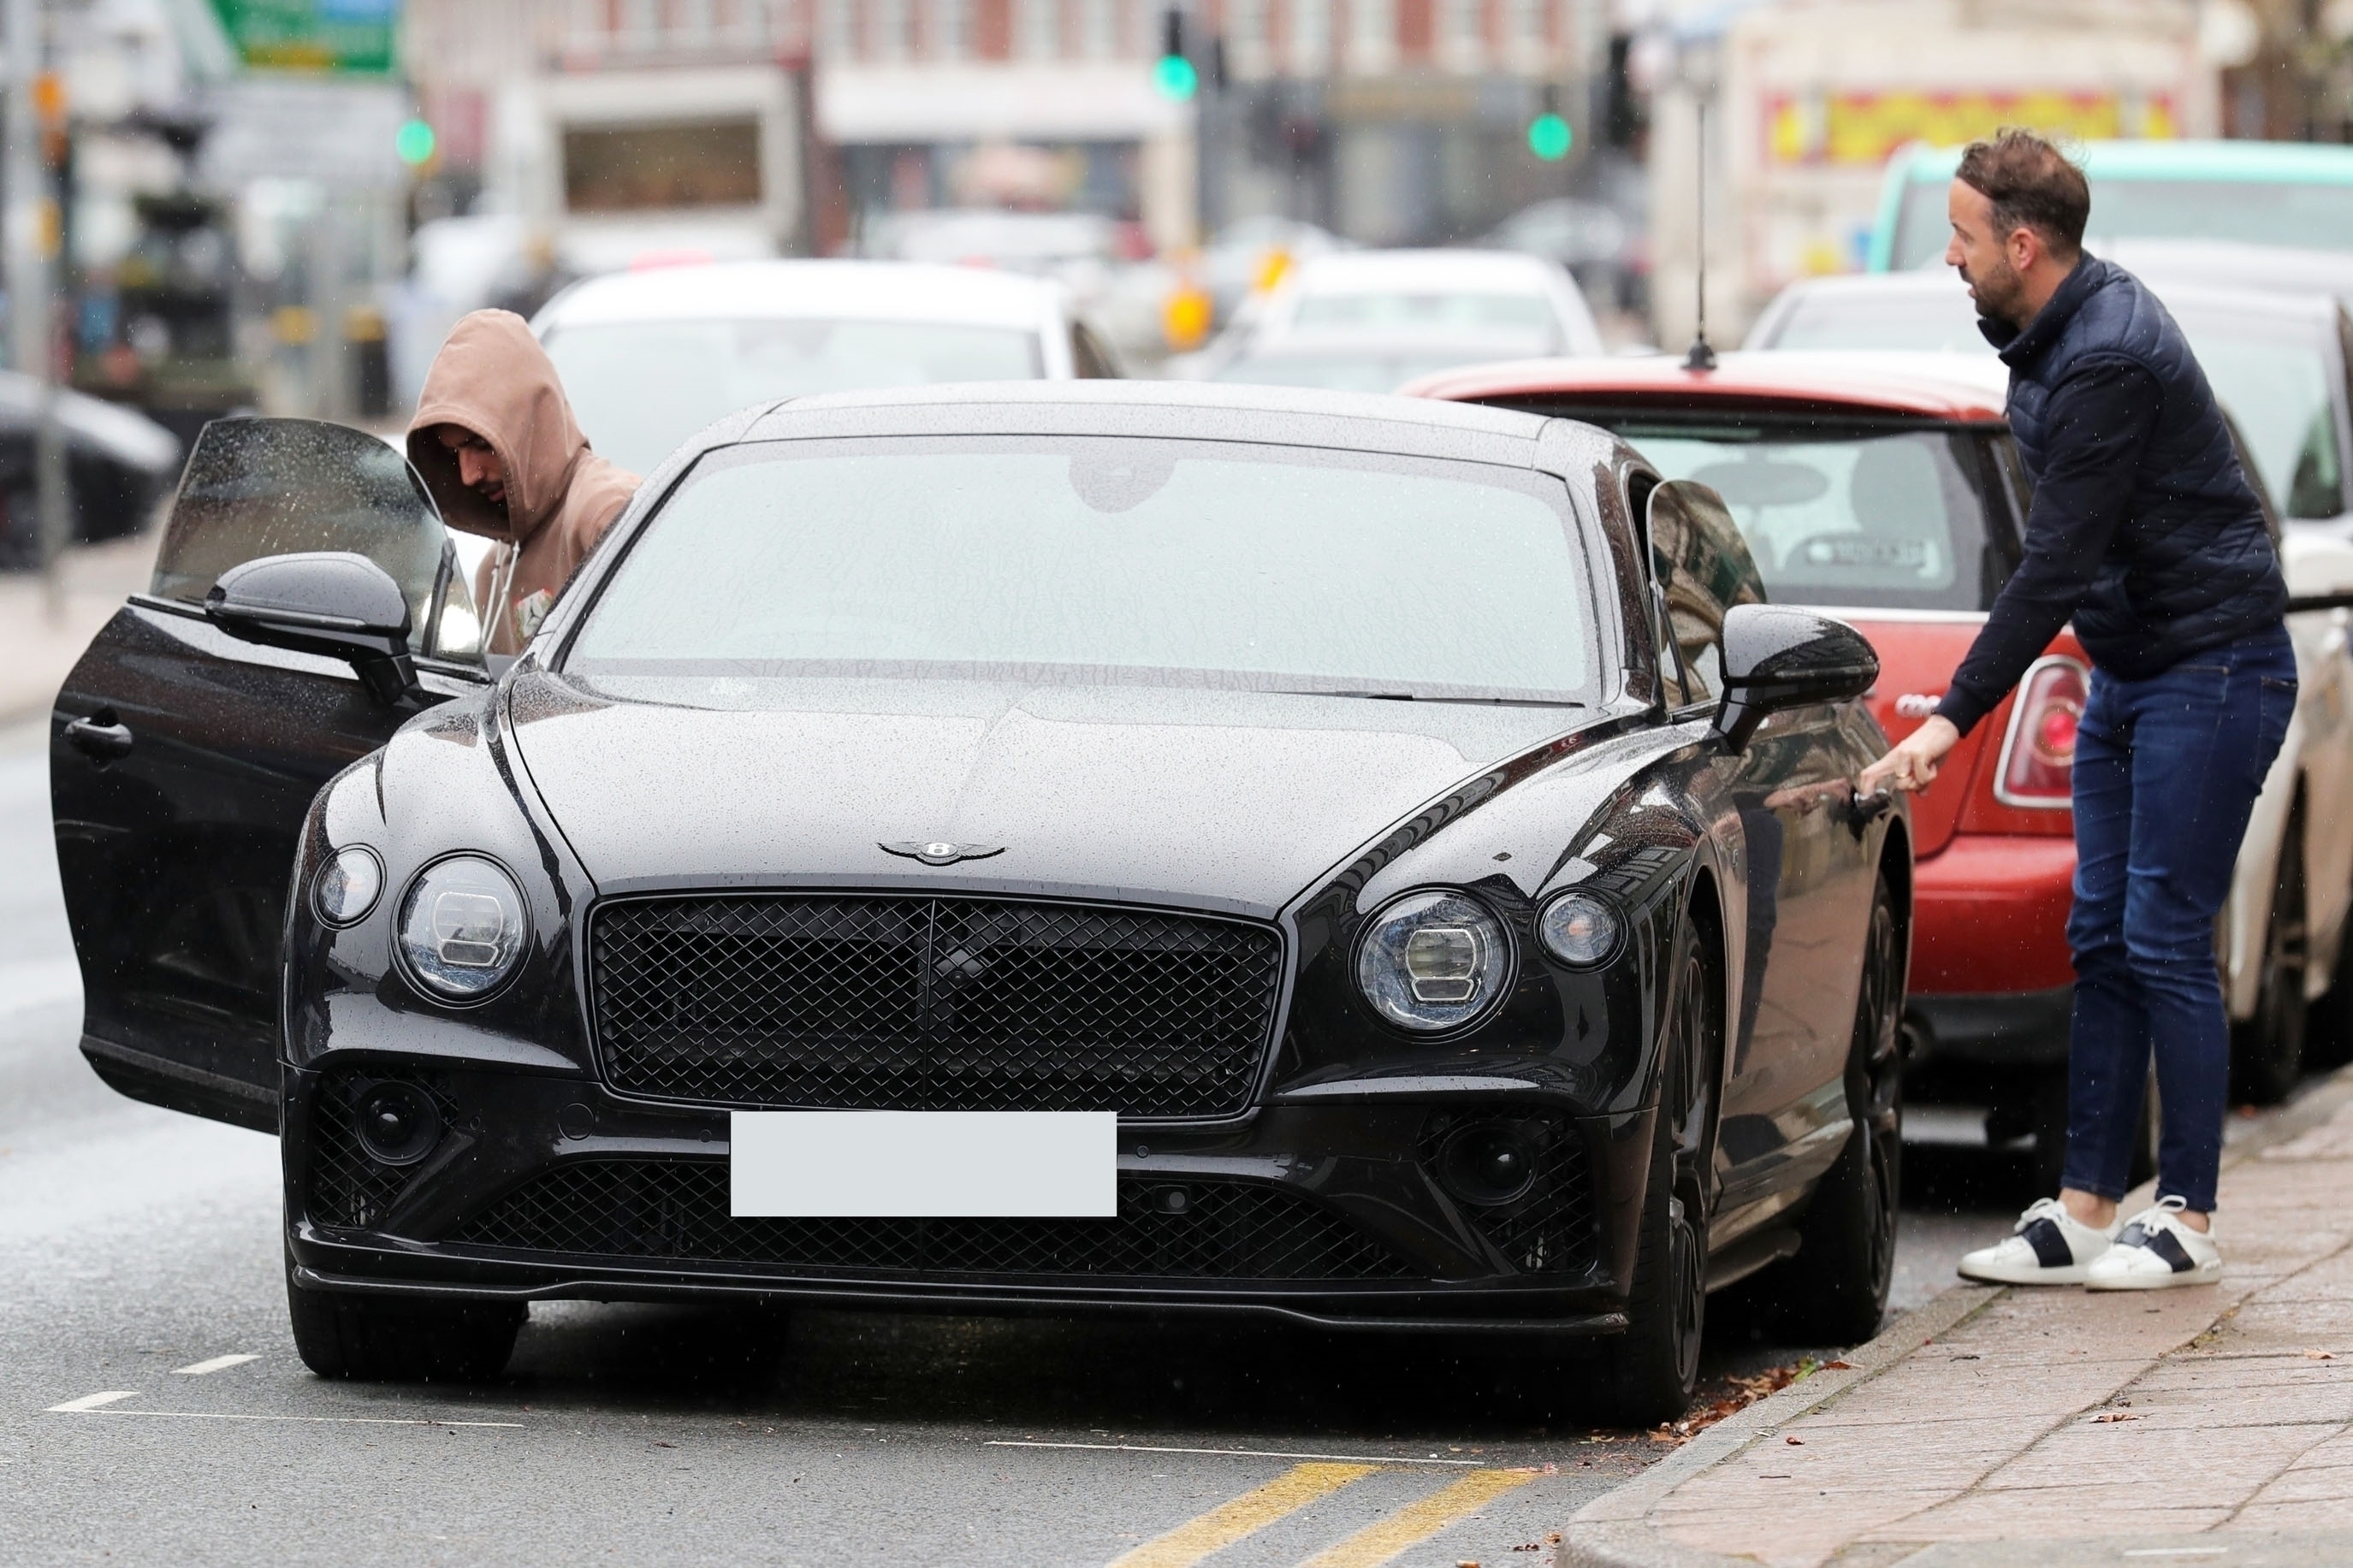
2297 195
649 358
1885 489
119 464
1596 243
1370 320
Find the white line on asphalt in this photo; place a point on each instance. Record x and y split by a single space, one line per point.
92 1401
218 1364
83 1407
1229 1453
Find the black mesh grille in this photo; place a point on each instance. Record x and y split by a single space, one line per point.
925 1004
1168 1230
347 1187
1547 1229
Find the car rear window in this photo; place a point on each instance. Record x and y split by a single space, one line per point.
1102 561
1868 515
639 388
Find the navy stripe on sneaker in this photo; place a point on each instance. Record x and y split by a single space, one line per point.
2162 1242
2051 1248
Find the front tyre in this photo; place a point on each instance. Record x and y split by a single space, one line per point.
2267 1049
392 1338
1648 1375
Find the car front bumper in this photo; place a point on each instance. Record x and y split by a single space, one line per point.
550 1187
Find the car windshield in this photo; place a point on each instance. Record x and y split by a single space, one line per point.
1866 515
1098 562
2251 212
2271 372
639 388
1368 370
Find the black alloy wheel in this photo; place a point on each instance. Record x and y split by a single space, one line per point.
2267 1049
1833 1291
1648 1375
2328 1021
394 1339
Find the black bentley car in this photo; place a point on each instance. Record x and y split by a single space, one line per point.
1379 864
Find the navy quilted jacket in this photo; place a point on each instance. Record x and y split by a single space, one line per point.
2143 531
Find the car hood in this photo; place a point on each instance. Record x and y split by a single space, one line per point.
1220 799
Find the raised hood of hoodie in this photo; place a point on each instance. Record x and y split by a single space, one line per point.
491 377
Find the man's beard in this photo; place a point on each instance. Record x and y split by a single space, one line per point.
1997 293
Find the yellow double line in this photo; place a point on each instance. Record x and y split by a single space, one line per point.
1293 1489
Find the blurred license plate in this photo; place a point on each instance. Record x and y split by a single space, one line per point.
923 1165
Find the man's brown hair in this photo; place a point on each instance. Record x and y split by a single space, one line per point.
2031 185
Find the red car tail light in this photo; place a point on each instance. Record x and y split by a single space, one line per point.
2038 755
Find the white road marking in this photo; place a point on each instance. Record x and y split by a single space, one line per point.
83 1407
1231 1453
218 1364
92 1401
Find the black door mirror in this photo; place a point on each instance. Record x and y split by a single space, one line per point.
1776 657
326 601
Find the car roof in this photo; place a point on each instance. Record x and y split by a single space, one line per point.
1929 386
2256 162
1369 271
1185 410
866 290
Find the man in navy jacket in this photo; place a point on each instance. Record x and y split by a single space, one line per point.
2145 533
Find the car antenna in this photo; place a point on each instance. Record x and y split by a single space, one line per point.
1700 356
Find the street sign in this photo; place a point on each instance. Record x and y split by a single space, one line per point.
350 37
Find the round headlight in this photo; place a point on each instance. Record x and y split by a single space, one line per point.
347 885
1433 961
461 926
1579 929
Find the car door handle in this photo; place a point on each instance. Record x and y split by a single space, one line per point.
106 742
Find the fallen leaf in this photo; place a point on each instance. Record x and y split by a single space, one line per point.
1838 1366
1795 1442
2114 1416
2318 1355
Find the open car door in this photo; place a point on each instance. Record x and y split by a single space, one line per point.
183 758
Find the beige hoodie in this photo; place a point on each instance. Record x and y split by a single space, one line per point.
492 378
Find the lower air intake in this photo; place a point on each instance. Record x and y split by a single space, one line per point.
1164 1230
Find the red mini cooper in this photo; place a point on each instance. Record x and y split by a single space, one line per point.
1885 488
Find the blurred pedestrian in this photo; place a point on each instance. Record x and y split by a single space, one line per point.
2144 533
495 439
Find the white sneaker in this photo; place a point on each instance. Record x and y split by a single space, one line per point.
2156 1251
2047 1247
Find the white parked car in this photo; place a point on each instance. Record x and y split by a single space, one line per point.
2278 363
649 358
1370 320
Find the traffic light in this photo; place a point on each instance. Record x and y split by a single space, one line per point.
1172 73
1549 137
414 143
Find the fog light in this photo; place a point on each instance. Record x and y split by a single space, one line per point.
396 1122
1487 1162
1171 1200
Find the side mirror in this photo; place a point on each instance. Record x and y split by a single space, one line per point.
328 601
1776 658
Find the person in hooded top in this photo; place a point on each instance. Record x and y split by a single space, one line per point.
498 447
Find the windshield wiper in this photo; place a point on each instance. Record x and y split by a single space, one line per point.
1415 697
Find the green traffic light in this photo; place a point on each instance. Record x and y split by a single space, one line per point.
1549 137
1175 78
414 142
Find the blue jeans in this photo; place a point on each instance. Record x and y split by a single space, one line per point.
2166 772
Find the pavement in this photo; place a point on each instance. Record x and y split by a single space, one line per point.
1998 1426
41 635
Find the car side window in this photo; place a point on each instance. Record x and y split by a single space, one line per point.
1703 564
276 487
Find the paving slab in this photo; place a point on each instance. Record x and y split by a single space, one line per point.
2217 1421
